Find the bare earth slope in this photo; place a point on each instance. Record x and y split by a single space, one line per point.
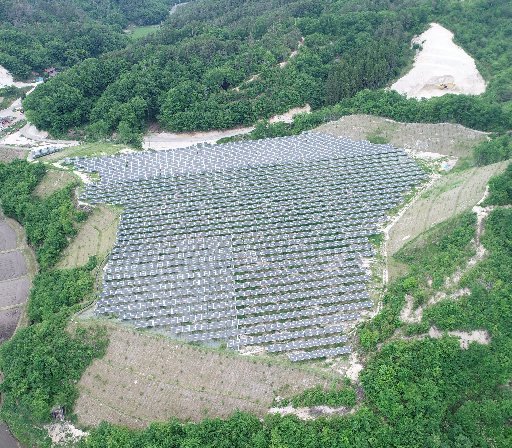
444 138
144 378
440 62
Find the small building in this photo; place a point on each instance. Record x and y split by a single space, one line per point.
50 71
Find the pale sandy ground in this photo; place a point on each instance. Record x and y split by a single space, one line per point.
64 433
440 61
168 140
6 79
311 413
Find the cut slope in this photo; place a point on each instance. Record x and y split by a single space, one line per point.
440 62
144 378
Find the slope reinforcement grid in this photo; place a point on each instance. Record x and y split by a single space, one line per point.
259 242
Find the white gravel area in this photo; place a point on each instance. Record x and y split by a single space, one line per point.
6 79
440 62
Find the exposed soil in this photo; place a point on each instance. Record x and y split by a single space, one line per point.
480 336
144 378
95 236
12 265
18 260
7 237
14 292
288 116
8 323
313 412
443 138
6 79
9 154
64 433
440 63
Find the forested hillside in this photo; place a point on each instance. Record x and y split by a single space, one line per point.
220 64
37 34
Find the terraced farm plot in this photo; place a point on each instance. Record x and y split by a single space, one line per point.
254 243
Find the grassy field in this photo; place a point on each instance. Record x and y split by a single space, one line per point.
53 180
96 236
444 138
88 149
136 32
144 377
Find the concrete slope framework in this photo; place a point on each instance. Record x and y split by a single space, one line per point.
258 242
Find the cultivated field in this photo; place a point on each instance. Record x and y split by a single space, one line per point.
144 377
443 138
96 236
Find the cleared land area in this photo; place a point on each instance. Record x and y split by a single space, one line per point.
14 292
443 138
144 378
12 265
9 154
16 260
440 62
96 236
53 180
453 194
7 237
8 322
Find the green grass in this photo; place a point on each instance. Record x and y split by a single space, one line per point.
142 31
87 149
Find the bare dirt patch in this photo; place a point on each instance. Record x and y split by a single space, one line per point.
14 292
9 154
288 116
7 237
440 63
313 412
96 236
480 336
12 265
64 433
145 378
52 181
6 79
8 323
453 194
443 138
